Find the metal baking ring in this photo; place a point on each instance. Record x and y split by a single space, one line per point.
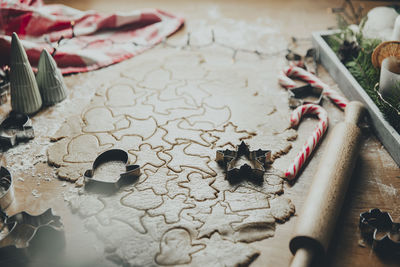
6 182
131 174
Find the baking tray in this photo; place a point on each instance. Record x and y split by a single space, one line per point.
389 137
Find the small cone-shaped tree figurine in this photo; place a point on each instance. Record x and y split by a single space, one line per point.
25 95
50 80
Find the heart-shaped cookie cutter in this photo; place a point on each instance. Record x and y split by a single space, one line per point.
258 158
17 127
6 188
131 174
378 227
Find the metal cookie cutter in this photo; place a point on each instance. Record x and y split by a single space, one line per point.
15 128
4 85
378 227
309 61
110 156
6 188
257 158
4 89
298 96
24 234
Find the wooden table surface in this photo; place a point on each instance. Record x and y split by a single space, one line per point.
376 179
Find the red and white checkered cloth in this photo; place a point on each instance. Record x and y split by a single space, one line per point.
90 40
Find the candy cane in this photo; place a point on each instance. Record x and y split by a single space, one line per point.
312 141
297 72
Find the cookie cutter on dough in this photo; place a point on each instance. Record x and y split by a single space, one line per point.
378 227
17 127
255 173
6 188
23 234
298 96
131 174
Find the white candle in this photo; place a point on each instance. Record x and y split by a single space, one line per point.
389 82
396 30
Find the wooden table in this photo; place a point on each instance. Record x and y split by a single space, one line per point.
376 180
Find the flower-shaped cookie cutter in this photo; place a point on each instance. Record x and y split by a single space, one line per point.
24 234
257 158
378 227
6 188
17 127
300 95
107 186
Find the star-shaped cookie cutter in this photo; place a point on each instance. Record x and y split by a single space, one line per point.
258 158
378 227
6 188
24 234
101 186
17 127
298 96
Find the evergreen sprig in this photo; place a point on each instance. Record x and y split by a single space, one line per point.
365 73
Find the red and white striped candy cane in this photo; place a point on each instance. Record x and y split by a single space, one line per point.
312 141
297 72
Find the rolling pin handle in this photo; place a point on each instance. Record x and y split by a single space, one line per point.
303 257
354 112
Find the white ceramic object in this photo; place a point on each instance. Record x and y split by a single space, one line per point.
389 82
50 80
25 95
396 30
380 22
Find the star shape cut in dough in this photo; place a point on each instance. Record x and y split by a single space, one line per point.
219 220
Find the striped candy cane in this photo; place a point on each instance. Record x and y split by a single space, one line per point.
297 72
312 141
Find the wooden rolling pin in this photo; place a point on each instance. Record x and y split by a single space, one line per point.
321 209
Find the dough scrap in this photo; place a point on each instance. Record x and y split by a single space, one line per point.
282 208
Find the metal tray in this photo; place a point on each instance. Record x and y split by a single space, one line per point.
389 137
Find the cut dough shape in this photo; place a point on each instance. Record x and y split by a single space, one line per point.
142 200
243 198
143 128
83 148
220 252
157 181
120 95
176 247
171 208
219 220
229 135
146 154
181 159
175 134
200 188
98 120
282 208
